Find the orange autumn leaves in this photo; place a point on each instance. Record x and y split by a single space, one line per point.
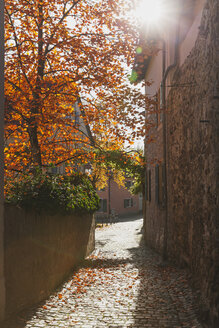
58 54
113 281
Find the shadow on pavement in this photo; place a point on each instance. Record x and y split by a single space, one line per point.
130 217
165 298
106 263
19 320
124 218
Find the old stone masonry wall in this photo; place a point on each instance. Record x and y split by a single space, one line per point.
193 163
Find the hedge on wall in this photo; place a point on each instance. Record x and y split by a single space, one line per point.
53 193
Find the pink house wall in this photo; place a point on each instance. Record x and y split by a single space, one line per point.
117 196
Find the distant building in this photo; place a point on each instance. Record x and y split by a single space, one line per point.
118 200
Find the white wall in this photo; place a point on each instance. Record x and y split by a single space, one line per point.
189 30
184 25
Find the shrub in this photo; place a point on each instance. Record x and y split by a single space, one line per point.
54 193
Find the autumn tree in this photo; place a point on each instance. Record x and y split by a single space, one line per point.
58 54
118 165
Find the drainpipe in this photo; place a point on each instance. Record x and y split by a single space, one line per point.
2 280
163 105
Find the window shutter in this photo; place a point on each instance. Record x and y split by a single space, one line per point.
128 202
100 205
160 185
146 186
149 185
104 205
157 184
161 101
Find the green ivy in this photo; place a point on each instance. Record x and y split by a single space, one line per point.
54 193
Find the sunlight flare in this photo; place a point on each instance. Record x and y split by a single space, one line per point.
150 11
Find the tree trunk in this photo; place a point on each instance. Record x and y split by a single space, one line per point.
36 104
34 144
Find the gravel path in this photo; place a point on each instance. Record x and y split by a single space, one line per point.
122 284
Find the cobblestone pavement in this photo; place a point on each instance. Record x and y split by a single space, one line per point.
122 284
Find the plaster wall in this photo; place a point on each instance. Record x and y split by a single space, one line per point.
40 252
154 73
117 196
188 34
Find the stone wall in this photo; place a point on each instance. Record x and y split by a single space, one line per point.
154 216
40 251
193 164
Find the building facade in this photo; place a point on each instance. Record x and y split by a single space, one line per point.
118 200
181 219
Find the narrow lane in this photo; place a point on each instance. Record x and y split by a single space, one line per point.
122 284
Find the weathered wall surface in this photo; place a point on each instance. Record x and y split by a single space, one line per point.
193 163
40 251
154 216
117 196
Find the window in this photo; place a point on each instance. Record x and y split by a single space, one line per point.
103 205
76 114
160 184
77 117
54 170
128 184
148 185
128 202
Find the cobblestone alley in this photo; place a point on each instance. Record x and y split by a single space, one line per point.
122 284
